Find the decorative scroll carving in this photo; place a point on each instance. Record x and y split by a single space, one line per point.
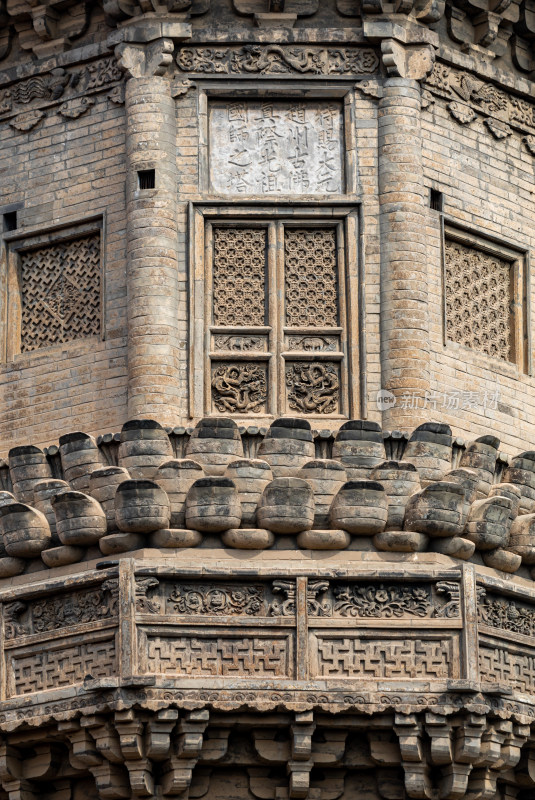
312 343
478 297
61 611
506 614
382 601
217 600
498 129
314 387
239 388
60 292
220 655
311 277
75 108
503 113
462 113
103 72
239 276
274 59
238 343
70 664
13 627
388 658
315 607
144 604
27 120
508 667
276 147
453 607
285 607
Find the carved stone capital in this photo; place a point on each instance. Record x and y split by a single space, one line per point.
414 61
145 61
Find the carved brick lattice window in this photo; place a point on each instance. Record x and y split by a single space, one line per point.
276 335
239 276
479 297
60 292
311 277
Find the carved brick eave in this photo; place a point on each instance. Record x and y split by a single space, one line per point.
115 747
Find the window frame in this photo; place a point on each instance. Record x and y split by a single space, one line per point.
15 244
202 355
520 312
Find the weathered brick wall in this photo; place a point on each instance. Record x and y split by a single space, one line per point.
487 187
63 171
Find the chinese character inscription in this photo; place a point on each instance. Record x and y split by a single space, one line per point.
282 147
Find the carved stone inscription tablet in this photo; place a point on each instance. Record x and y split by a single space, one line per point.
276 147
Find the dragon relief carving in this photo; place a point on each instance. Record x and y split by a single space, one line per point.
276 59
239 388
314 388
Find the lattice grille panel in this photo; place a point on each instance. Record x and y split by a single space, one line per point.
239 276
60 292
478 298
311 277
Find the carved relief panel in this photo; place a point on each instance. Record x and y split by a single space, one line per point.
275 316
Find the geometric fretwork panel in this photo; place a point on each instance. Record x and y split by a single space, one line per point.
478 300
43 669
350 657
311 277
60 292
239 276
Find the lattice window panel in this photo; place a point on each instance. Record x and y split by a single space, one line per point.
239 269
60 295
311 277
275 317
478 289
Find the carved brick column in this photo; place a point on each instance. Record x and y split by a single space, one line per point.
152 257
405 351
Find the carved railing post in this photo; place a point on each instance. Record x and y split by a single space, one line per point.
405 347
155 327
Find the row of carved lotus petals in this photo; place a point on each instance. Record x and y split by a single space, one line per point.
249 497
